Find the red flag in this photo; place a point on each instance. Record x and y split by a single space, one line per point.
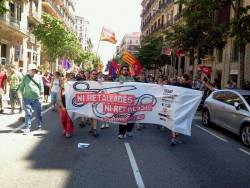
180 53
206 70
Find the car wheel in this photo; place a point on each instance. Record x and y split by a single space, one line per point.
245 135
205 117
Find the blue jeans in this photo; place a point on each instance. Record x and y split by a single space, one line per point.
28 105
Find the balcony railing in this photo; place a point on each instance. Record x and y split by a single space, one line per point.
33 13
11 21
54 6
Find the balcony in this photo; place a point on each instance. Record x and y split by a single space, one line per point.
34 15
51 8
10 21
32 38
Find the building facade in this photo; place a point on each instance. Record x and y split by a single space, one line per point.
158 15
17 43
81 30
130 42
63 10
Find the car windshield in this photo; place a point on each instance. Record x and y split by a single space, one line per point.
247 98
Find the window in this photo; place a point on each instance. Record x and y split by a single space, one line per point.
247 98
220 96
235 51
220 55
231 98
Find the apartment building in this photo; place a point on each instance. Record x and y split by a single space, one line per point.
81 29
158 15
63 10
17 45
130 42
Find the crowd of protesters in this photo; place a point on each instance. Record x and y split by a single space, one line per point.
26 92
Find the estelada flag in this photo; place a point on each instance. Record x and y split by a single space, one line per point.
108 36
134 63
129 58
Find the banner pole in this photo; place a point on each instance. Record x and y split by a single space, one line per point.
99 42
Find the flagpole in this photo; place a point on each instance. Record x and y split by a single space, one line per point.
99 42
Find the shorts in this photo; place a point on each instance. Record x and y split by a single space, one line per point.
46 90
14 96
53 97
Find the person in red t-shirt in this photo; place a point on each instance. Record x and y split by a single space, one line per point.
3 79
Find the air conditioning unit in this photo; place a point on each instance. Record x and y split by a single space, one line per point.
3 60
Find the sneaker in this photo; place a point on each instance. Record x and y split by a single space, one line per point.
82 125
120 136
1 111
94 133
129 134
91 130
26 131
173 142
39 127
102 126
139 127
107 125
67 135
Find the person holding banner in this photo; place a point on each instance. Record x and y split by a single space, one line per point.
124 77
67 123
80 76
93 122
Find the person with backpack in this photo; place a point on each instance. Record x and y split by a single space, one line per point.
55 88
32 89
14 82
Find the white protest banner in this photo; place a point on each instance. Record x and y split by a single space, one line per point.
169 106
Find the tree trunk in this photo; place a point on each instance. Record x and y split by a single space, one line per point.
242 51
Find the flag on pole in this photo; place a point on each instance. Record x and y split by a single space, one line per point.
135 65
108 35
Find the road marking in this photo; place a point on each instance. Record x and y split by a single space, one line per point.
213 134
22 125
136 171
244 151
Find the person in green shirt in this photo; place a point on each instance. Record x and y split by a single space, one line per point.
32 89
125 130
14 82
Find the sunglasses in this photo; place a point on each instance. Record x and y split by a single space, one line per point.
125 69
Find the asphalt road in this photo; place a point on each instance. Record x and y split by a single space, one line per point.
211 157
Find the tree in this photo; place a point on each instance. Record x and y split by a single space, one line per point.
89 61
3 8
200 30
241 32
57 41
150 52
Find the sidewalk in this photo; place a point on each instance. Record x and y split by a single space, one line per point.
6 118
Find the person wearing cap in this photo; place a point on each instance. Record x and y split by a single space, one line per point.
31 89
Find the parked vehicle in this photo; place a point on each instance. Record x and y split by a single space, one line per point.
229 109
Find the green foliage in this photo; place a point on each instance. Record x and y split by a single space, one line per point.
89 61
200 30
241 24
3 9
57 41
150 52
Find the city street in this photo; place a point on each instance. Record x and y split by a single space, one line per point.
211 157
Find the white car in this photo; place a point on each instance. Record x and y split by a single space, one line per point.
229 109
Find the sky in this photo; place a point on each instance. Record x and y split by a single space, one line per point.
120 16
